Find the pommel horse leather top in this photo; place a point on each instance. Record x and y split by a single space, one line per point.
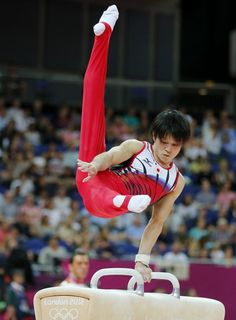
79 303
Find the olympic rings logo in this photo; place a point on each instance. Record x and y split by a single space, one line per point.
63 314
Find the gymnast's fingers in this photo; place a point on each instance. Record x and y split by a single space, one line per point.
87 178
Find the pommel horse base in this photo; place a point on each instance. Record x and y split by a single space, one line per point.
78 303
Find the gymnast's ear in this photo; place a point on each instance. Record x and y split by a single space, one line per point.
153 137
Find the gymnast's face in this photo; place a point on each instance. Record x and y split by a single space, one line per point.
166 149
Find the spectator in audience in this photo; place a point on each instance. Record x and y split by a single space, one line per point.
23 164
160 290
16 300
176 255
229 138
199 169
181 235
222 235
205 196
167 236
70 156
212 139
135 230
194 149
103 244
70 136
63 116
3 115
16 113
122 244
223 174
54 214
32 135
193 249
183 164
44 228
175 219
55 164
191 292
25 183
7 206
225 196
6 139
222 212
199 231
120 129
17 258
78 269
131 118
66 230
216 253
234 241
229 258
61 201
51 256
31 209
22 225
187 209
204 254
143 128
232 213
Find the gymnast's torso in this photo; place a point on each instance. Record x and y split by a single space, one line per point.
142 174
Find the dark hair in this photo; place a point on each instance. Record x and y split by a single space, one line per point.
77 252
171 122
17 272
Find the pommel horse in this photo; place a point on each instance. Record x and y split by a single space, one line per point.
79 303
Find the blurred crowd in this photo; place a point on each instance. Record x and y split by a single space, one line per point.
42 217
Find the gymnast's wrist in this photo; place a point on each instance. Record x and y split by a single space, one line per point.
143 258
95 166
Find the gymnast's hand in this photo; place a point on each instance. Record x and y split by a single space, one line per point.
88 167
145 271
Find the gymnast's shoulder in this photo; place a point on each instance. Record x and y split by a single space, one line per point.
133 145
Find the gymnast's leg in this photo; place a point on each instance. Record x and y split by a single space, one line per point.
98 197
92 136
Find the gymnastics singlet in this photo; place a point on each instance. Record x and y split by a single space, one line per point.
142 175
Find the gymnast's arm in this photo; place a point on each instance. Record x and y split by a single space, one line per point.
160 213
115 155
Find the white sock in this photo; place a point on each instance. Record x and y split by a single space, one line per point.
139 203
136 204
109 16
99 28
118 201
